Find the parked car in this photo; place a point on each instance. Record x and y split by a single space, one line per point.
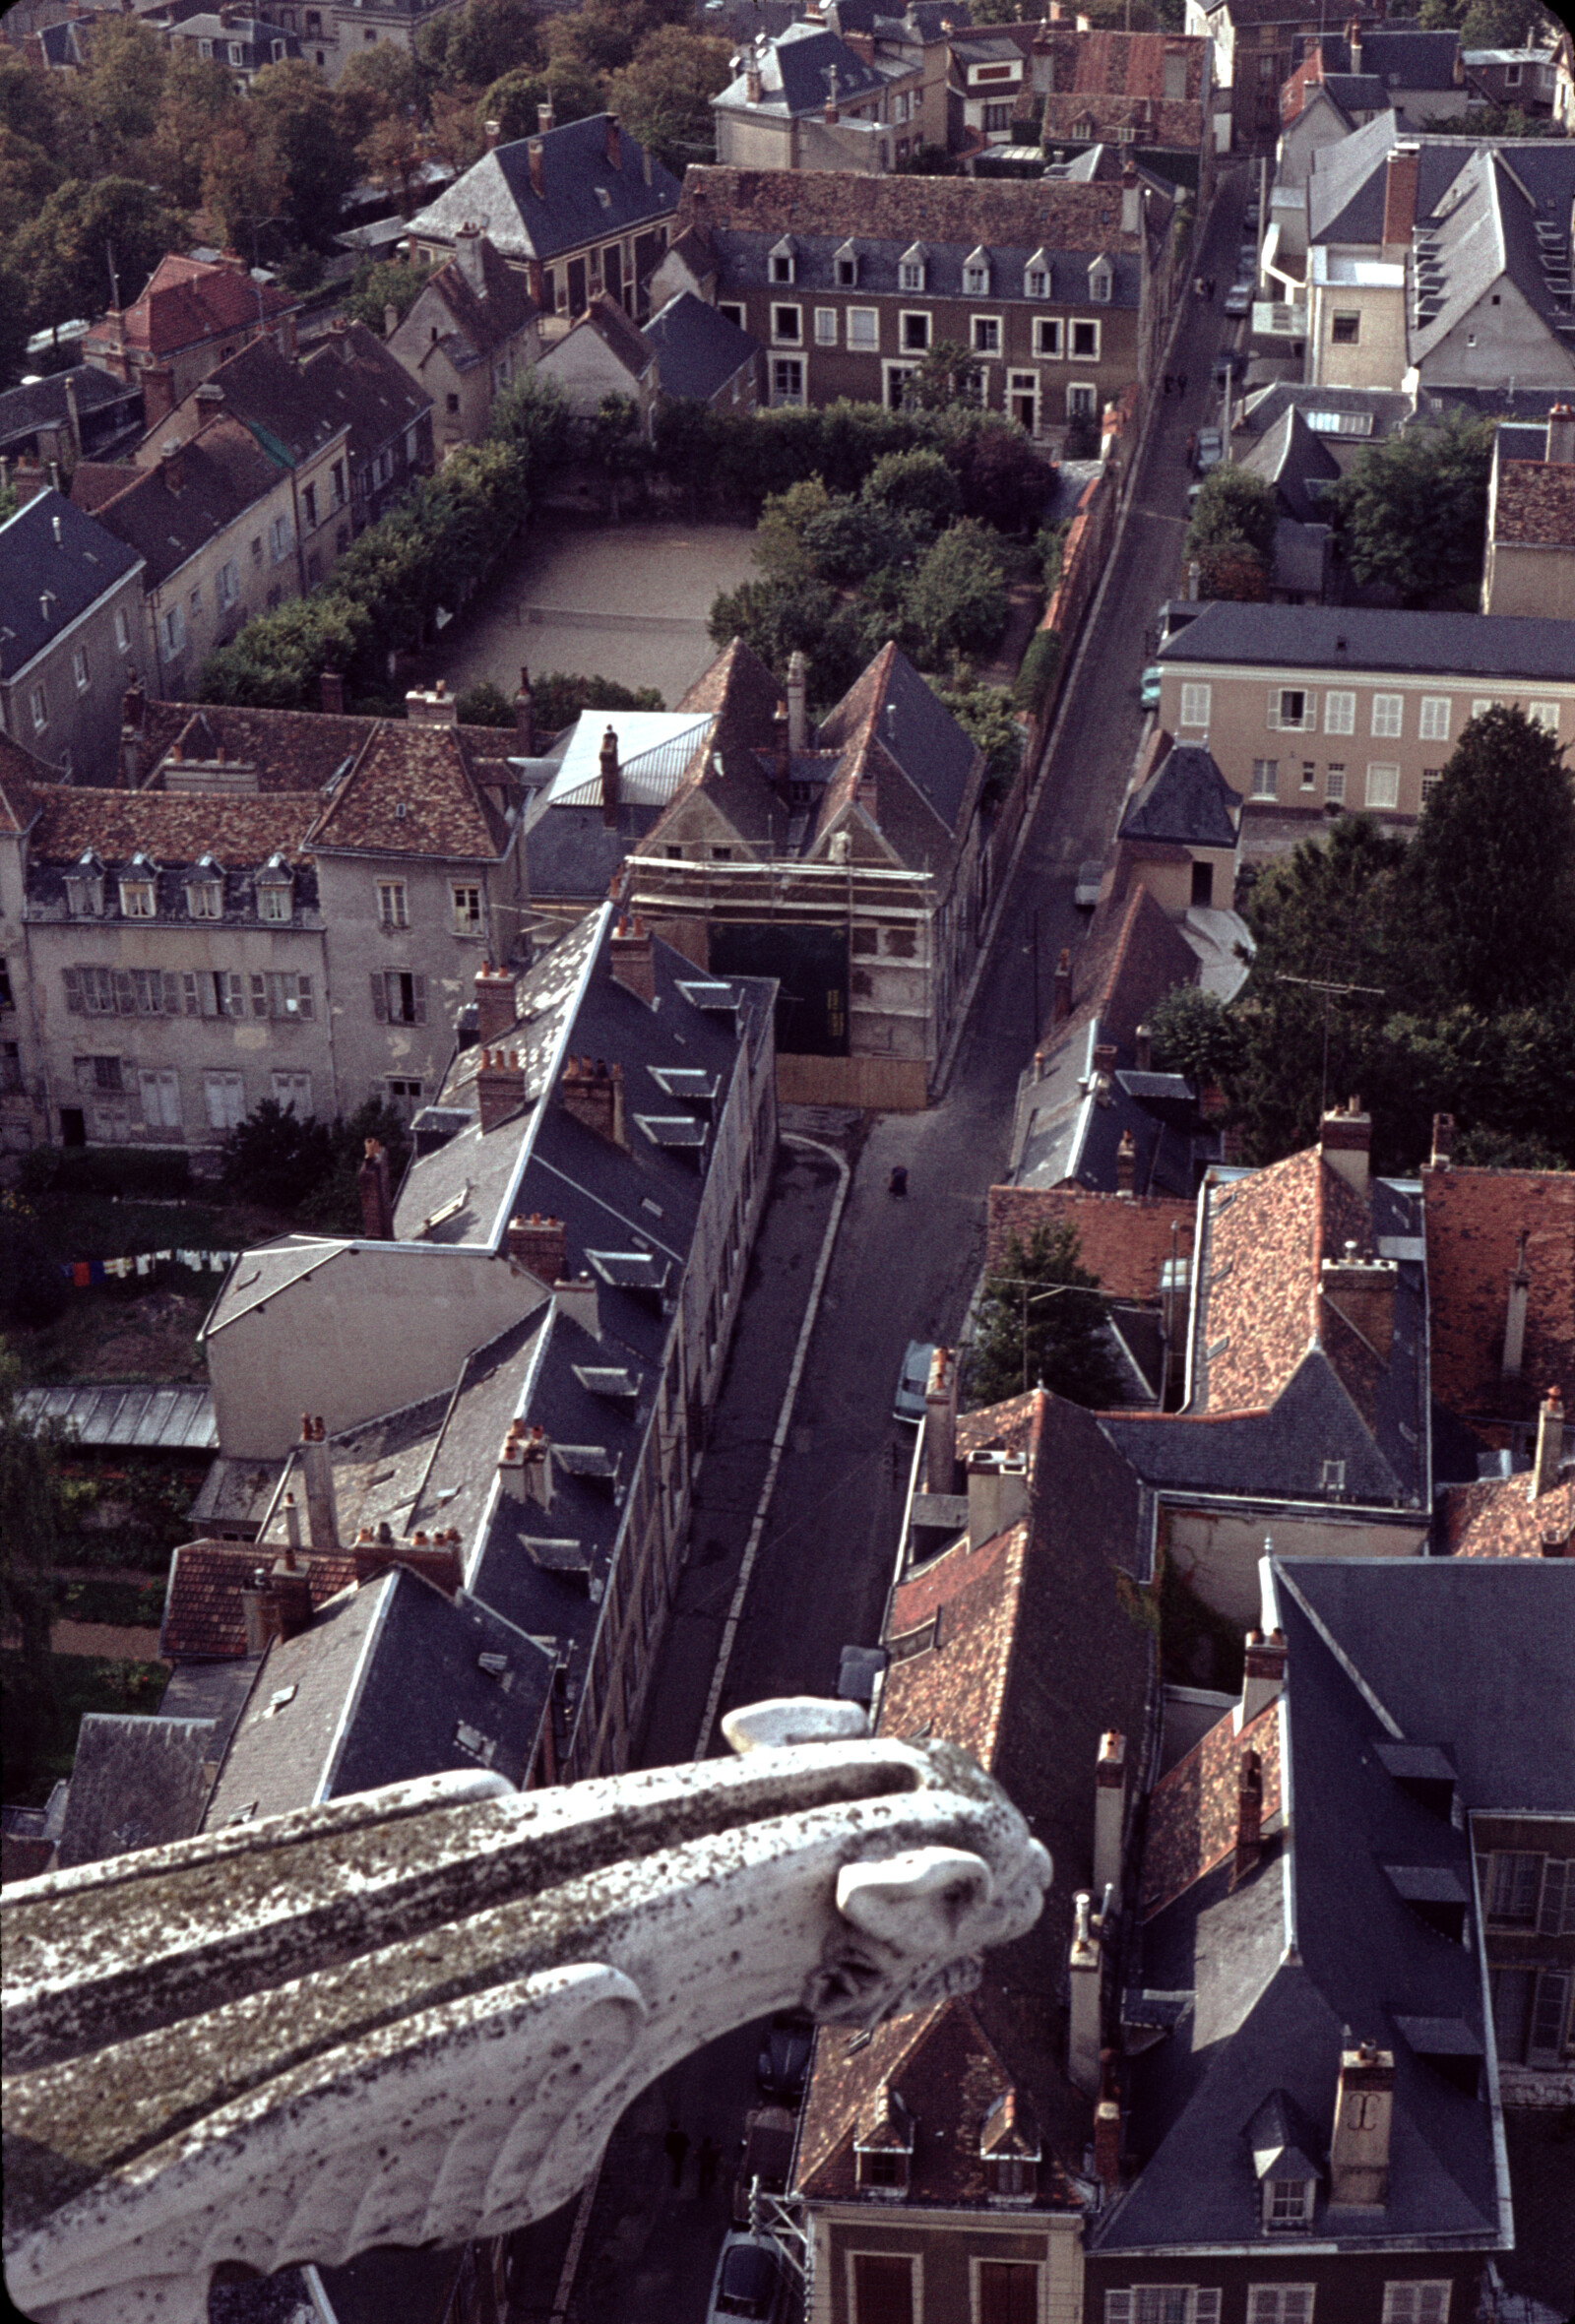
783 2061
1247 259
1089 878
750 2280
1211 449
1238 299
1251 214
1228 366
767 2156
1149 687
912 1380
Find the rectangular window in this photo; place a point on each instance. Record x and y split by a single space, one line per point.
996 118
1416 2304
293 1091
986 334
228 584
863 327
11 1068
1279 2303
1513 1889
1334 780
1436 710
1289 2203
1545 715
1309 774
398 998
99 1077
1195 702
1388 715
39 709
7 996
882 2288
1383 785
787 325
1081 397
196 601
278 539
1431 778
137 899
391 905
274 904
467 921
205 900
825 327
337 474
1164 2303
174 632
1292 710
122 630
911 274
781 267
78 669
788 380
730 313
161 1099
1344 330
1048 334
1339 713
404 1096
1545 2044
1086 340
1265 779
225 1097
289 996
913 331
257 548
1008 2292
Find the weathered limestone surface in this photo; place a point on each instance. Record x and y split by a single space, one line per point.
414 2014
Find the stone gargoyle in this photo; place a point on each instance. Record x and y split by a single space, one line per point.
413 2016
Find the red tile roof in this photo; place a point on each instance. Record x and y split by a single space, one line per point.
222 472
1132 956
996 212
204 1618
1536 504
1473 1220
1502 1517
1125 1242
189 299
1192 1809
412 791
169 826
1268 1236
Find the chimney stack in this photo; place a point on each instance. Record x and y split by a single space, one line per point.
577 1298
496 1005
330 683
540 1244
1107 2144
1143 1048
535 155
997 1494
545 118
1109 1811
467 252
609 778
377 1201
1249 1817
634 960
494 130
293 1522
172 462
436 707
1359 2152
753 85
1346 1143
1550 1443
1560 430
1361 1292
525 1465
1126 1165
1061 987
499 1087
781 760
614 142
1443 1141
292 1595
1086 2014
317 1472
594 1095
941 1423
525 716
1353 43
261 1611
797 702
1402 170
1520 1284
1263 1674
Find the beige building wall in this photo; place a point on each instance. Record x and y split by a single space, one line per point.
1502 338
944 2249
1356 322
1171 883
82 722
1218 1553
1519 578
248 553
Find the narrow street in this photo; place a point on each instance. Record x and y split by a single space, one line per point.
898 1270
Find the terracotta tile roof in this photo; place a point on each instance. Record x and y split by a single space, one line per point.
1125 1242
1536 503
94 481
1261 1305
1132 956
491 318
1193 1810
169 826
190 299
222 472
1501 1517
412 791
204 1618
1000 213
1473 1220
997 1427
1119 64
613 328
743 694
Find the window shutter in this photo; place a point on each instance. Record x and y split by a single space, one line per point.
235 1005
1206 2307
1555 1887
125 992
73 980
259 994
379 997
419 1000
172 993
1548 2019
1118 2307
303 995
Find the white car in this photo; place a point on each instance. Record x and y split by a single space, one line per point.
1238 299
750 2281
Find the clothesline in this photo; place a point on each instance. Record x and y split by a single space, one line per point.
81 1272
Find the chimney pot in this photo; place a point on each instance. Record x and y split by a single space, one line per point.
633 960
495 1006
1561 433
1443 1141
535 155
1346 1143
542 1246
494 130
377 1201
525 716
1549 1444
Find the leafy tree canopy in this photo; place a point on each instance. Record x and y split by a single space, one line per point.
514 101
1233 505
985 713
1412 511
957 602
64 253
392 283
478 43
1197 1035
1064 1343
662 95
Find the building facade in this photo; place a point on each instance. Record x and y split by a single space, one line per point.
71 613
192 315
472 331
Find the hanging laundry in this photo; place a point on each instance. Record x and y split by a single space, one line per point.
80 1274
144 1263
96 1270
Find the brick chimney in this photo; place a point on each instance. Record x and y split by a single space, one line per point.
292 1595
633 958
260 1609
468 253
545 118
797 702
754 87
525 1465
499 1087
536 157
1362 1291
173 463
1061 987
1359 2152
1143 1048
609 778
1109 1811
377 1201
496 1005
330 683
525 716
1549 1444
614 142
997 1494
1126 1165
1402 170
158 385
540 1244
1249 1817
781 754
1263 1674
317 1473
1560 430
594 1095
1346 1143
1087 1979
941 1423
1520 1284
1443 1141
434 708
1107 2144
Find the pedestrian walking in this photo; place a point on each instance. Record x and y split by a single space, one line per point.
1211 287
709 2162
1165 388
897 1183
675 2146
1192 450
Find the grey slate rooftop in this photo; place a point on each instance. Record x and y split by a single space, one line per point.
586 197
1185 801
1363 637
55 562
698 349
801 69
135 1783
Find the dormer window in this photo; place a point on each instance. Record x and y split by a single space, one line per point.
1288 2204
913 268
138 888
883 2144
1037 277
1014 2176
274 890
85 888
783 260
977 275
1009 2149
1284 2144
848 267
1099 282
204 890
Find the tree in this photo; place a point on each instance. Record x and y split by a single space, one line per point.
245 187
948 374
121 90
1064 1345
13 346
562 695
33 1291
1196 1036
392 283
28 178
292 109
985 713
484 705
277 1157
1414 509
957 602
662 95
918 485
34 1521
478 43
1233 569
1233 506
1493 863
199 95
780 549
64 255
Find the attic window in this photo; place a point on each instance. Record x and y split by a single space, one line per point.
277 1699
1099 282
243 1815
1288 2204
606 1379
848 267
976 274
1334 1476
685 1081
909 1643
672 1129
782 261
471 1741
495 1666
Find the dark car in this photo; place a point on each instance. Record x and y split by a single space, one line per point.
784 2059
767 2153
748 2281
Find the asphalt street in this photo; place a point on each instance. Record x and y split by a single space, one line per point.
900 1269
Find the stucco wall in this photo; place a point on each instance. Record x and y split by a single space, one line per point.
86 723
1218 1553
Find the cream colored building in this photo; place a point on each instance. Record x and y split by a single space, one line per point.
1355 321
1530 562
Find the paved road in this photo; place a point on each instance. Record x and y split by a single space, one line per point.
900 1270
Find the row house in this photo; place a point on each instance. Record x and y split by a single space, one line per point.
291 906
1057 289
815 98
1313 708
1064 84
471 331
192 315
919 42
332 31
243 43
71 618
583 207
1257 44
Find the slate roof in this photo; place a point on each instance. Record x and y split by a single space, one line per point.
480 323
1388 408
1296 461
697 348
1474 1220
1535 504
1504 1517
893 731
804 66
294 407
135 1783
1401 59
204 1618
1022 1620
388 1686
1309 637
223 472
104 406
569 213
742 695
1187 800
45 584
412 791
1126 1242
186 301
